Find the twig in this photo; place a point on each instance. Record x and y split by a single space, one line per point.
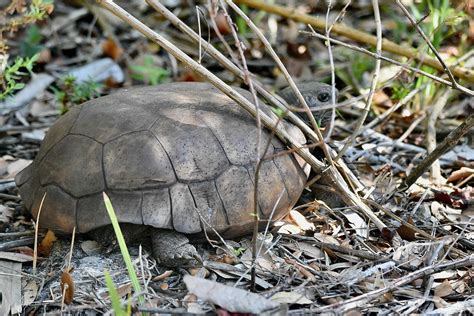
331 64
373 86
17 234
16 243
69 260
9 197
259 159
6 129
427 40
447 144
393 61
35 248
344 250
287 75
358 36
410 128
434 112
212 15
385 115
232 67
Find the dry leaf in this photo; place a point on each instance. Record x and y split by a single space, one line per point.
444 289
357 222
290 298
298 219
308 250
326 239
460 174
46 245
232 299
406 232
30 290
301 269
382 99
16 166
289 229
90 247
112 49
222 24
67 287
440 303
191 304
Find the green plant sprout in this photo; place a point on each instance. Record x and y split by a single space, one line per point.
148 72
10 79
70 93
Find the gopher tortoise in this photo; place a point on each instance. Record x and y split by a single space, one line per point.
175 160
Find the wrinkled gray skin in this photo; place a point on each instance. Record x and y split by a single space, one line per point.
174 159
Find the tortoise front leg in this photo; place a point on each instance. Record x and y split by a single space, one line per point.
172 249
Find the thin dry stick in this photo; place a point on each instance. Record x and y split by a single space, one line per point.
254 262
331 64
35 247
447 144
269 121
212 15
259 160
358 36
427 40
411 128
287 75
232 68
434 112
378 49
68 265
68 269
392 61
385 115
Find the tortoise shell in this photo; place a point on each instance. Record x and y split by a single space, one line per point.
179 156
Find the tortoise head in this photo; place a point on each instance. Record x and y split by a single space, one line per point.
317 95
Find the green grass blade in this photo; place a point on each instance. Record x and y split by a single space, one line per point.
114 296
123 247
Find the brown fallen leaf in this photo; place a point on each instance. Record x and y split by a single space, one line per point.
67 286
290 298
406 232
222 23
298 219
461 174
382 99
444 289
46 245
112 49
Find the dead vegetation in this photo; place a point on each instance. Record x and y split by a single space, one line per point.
403 242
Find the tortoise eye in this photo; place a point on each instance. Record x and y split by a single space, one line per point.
324 97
